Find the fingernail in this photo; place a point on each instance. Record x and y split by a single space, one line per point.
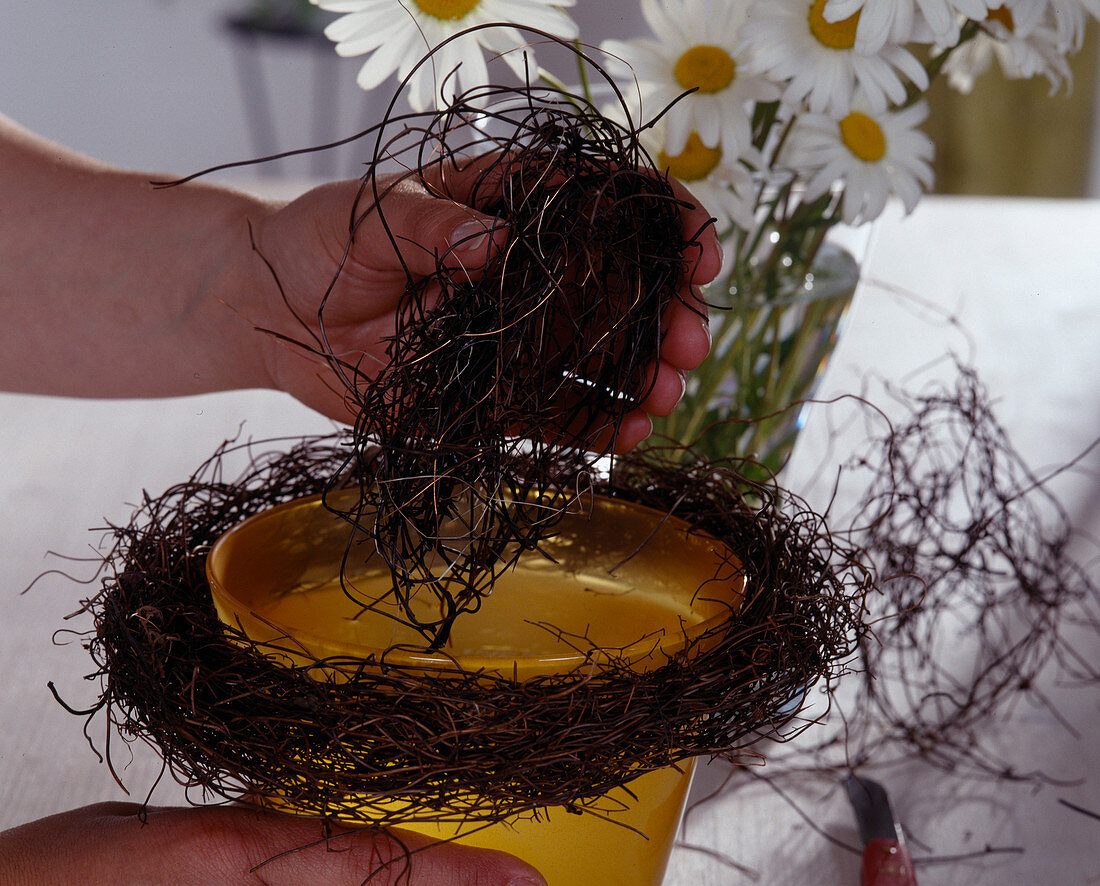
683 384
470 235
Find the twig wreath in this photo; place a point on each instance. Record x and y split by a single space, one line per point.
493 391
484 415
405 744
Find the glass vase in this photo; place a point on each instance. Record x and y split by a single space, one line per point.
773 332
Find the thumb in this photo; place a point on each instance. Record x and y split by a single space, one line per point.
111 843
426 229
285 851
244 846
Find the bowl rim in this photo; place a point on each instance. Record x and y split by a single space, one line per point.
661 645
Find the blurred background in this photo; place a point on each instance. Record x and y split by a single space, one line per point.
173 86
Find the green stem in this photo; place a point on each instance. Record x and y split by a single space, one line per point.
546 77
762 296
793 372
935 64
586 89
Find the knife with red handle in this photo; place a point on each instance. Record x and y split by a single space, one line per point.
886 861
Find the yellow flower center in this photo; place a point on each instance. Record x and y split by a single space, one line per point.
1003 15
706 68
448 10
863 137
835 35
695 162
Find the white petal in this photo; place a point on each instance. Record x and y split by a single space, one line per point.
381 63
349 26
709 128
507 44
908 64
543 18
364 43
341 5
656 17
677 130
421 90
907 190
940 18
835 10
474 72
873 31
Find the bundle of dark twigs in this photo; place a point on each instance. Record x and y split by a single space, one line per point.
393 743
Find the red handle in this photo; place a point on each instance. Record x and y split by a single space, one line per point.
887 863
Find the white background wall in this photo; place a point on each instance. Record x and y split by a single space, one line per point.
154 84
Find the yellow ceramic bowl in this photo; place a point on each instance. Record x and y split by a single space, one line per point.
616 580
618 577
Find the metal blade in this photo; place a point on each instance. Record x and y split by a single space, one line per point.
872 807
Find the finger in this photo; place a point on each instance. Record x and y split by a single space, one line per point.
635 427
473 180
595 433
469 180
666 391
426 230
235 846
350 857
705 255
243 846
687 337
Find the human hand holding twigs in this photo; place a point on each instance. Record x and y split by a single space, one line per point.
303 252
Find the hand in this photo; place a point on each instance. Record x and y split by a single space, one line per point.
108 844
305 241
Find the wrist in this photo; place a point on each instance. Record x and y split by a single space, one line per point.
241 297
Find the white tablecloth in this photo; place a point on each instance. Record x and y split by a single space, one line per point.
1011 286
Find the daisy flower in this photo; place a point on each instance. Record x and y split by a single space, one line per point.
1023 46
904 21
870 154
1066 17
819 61
396 34
721 182
697 46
